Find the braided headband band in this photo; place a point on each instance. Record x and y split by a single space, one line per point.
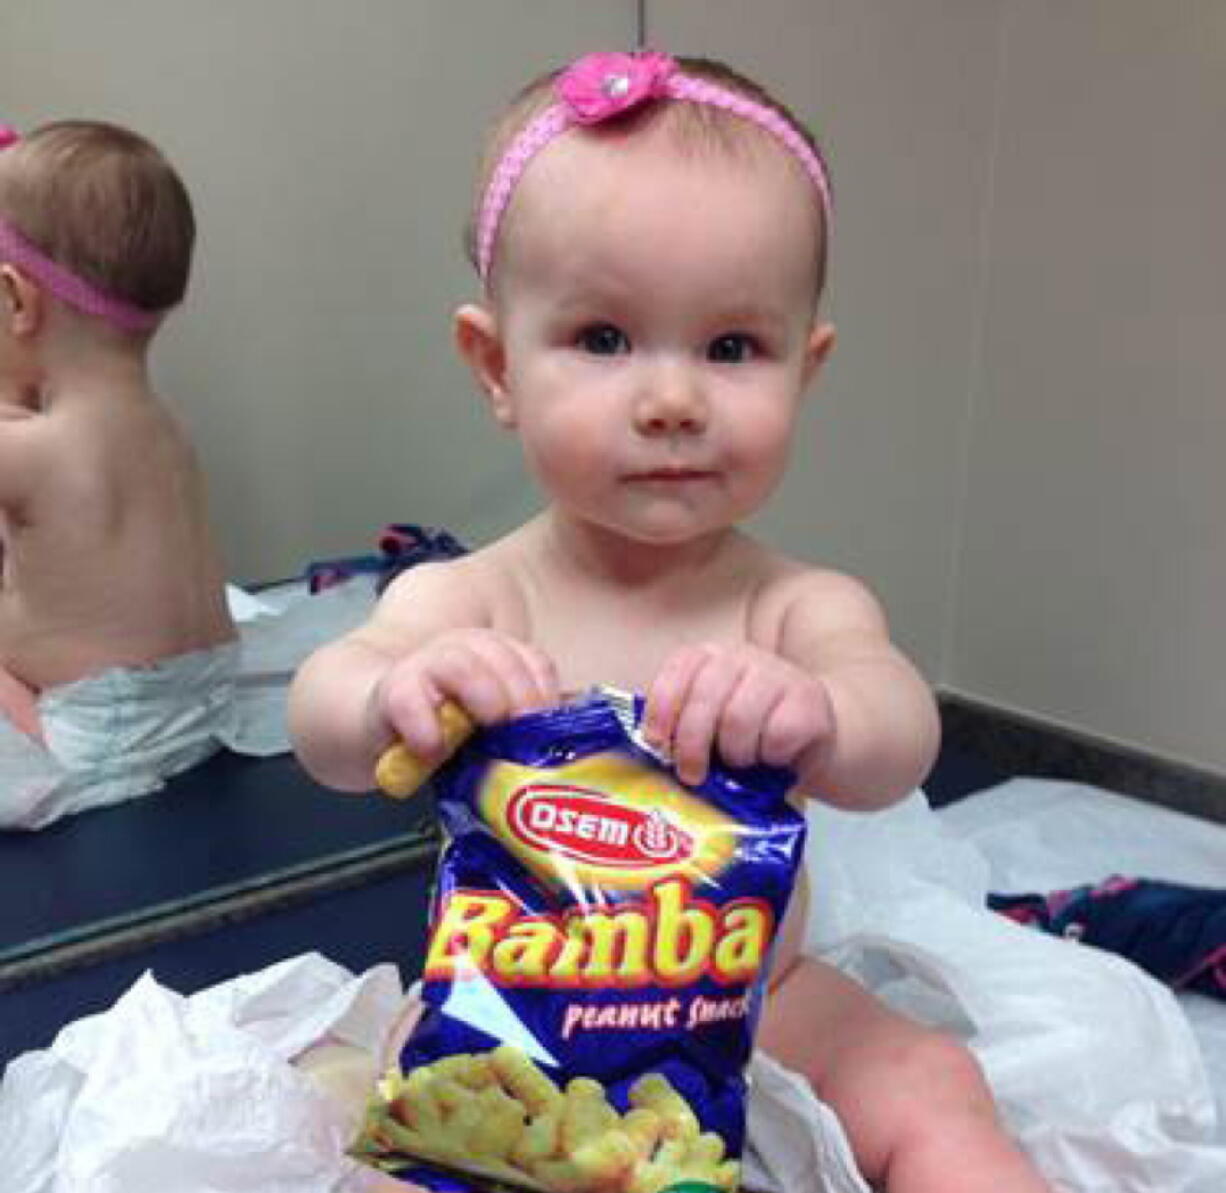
63 283
604 85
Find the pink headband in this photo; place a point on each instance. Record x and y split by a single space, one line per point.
65 285
599 86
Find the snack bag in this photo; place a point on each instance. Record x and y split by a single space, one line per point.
600 938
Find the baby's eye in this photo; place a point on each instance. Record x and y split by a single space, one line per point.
732 349
603 339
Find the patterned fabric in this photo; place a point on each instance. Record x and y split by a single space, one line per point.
401 545
1176 933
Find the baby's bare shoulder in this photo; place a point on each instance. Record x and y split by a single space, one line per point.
119 438
795 596
478 589
443 579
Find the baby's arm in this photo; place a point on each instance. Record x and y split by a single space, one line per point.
885 730
427 642
818 688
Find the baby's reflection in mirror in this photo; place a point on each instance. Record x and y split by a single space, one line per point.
108 567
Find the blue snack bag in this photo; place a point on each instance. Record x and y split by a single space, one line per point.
600 940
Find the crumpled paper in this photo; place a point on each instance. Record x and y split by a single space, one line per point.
279 628
794 1143
1092 1063
197 1094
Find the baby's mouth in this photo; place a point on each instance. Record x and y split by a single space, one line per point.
672 474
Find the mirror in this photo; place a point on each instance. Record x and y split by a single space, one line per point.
328 159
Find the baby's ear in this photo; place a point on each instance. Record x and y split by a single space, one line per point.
480 344
819 347
21 302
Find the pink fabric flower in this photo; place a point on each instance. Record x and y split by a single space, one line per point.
8 136
601 85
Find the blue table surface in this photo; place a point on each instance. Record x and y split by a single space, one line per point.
383 921
230 822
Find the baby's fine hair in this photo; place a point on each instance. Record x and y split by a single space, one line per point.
693 128
104 203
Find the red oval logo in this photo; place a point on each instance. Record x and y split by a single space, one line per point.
588 826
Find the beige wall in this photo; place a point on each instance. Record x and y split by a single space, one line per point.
1092 579
1019 440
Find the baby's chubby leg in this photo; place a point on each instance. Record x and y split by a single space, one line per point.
914 1104
19 705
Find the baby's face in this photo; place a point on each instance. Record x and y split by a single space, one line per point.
657 311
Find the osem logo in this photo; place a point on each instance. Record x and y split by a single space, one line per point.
607 820
588 826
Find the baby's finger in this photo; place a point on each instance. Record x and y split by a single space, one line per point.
800 721
694 736
476 677
747 711
668 693
410 708
540 689
524 673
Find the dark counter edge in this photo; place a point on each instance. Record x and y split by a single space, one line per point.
1014 743
274 892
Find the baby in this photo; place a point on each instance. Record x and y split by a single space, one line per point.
652 238
106 557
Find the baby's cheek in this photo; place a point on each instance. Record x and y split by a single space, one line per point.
563 459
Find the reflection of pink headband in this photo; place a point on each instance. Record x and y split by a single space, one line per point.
65 285
599 86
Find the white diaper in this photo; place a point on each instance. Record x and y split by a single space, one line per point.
118 734
123 732
159 718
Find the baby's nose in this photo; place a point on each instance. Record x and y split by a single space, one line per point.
672 400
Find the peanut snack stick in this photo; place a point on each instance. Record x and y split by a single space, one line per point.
399 773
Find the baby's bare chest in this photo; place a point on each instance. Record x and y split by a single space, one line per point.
625 643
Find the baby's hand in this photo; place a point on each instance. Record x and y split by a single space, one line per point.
490 675
744 702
